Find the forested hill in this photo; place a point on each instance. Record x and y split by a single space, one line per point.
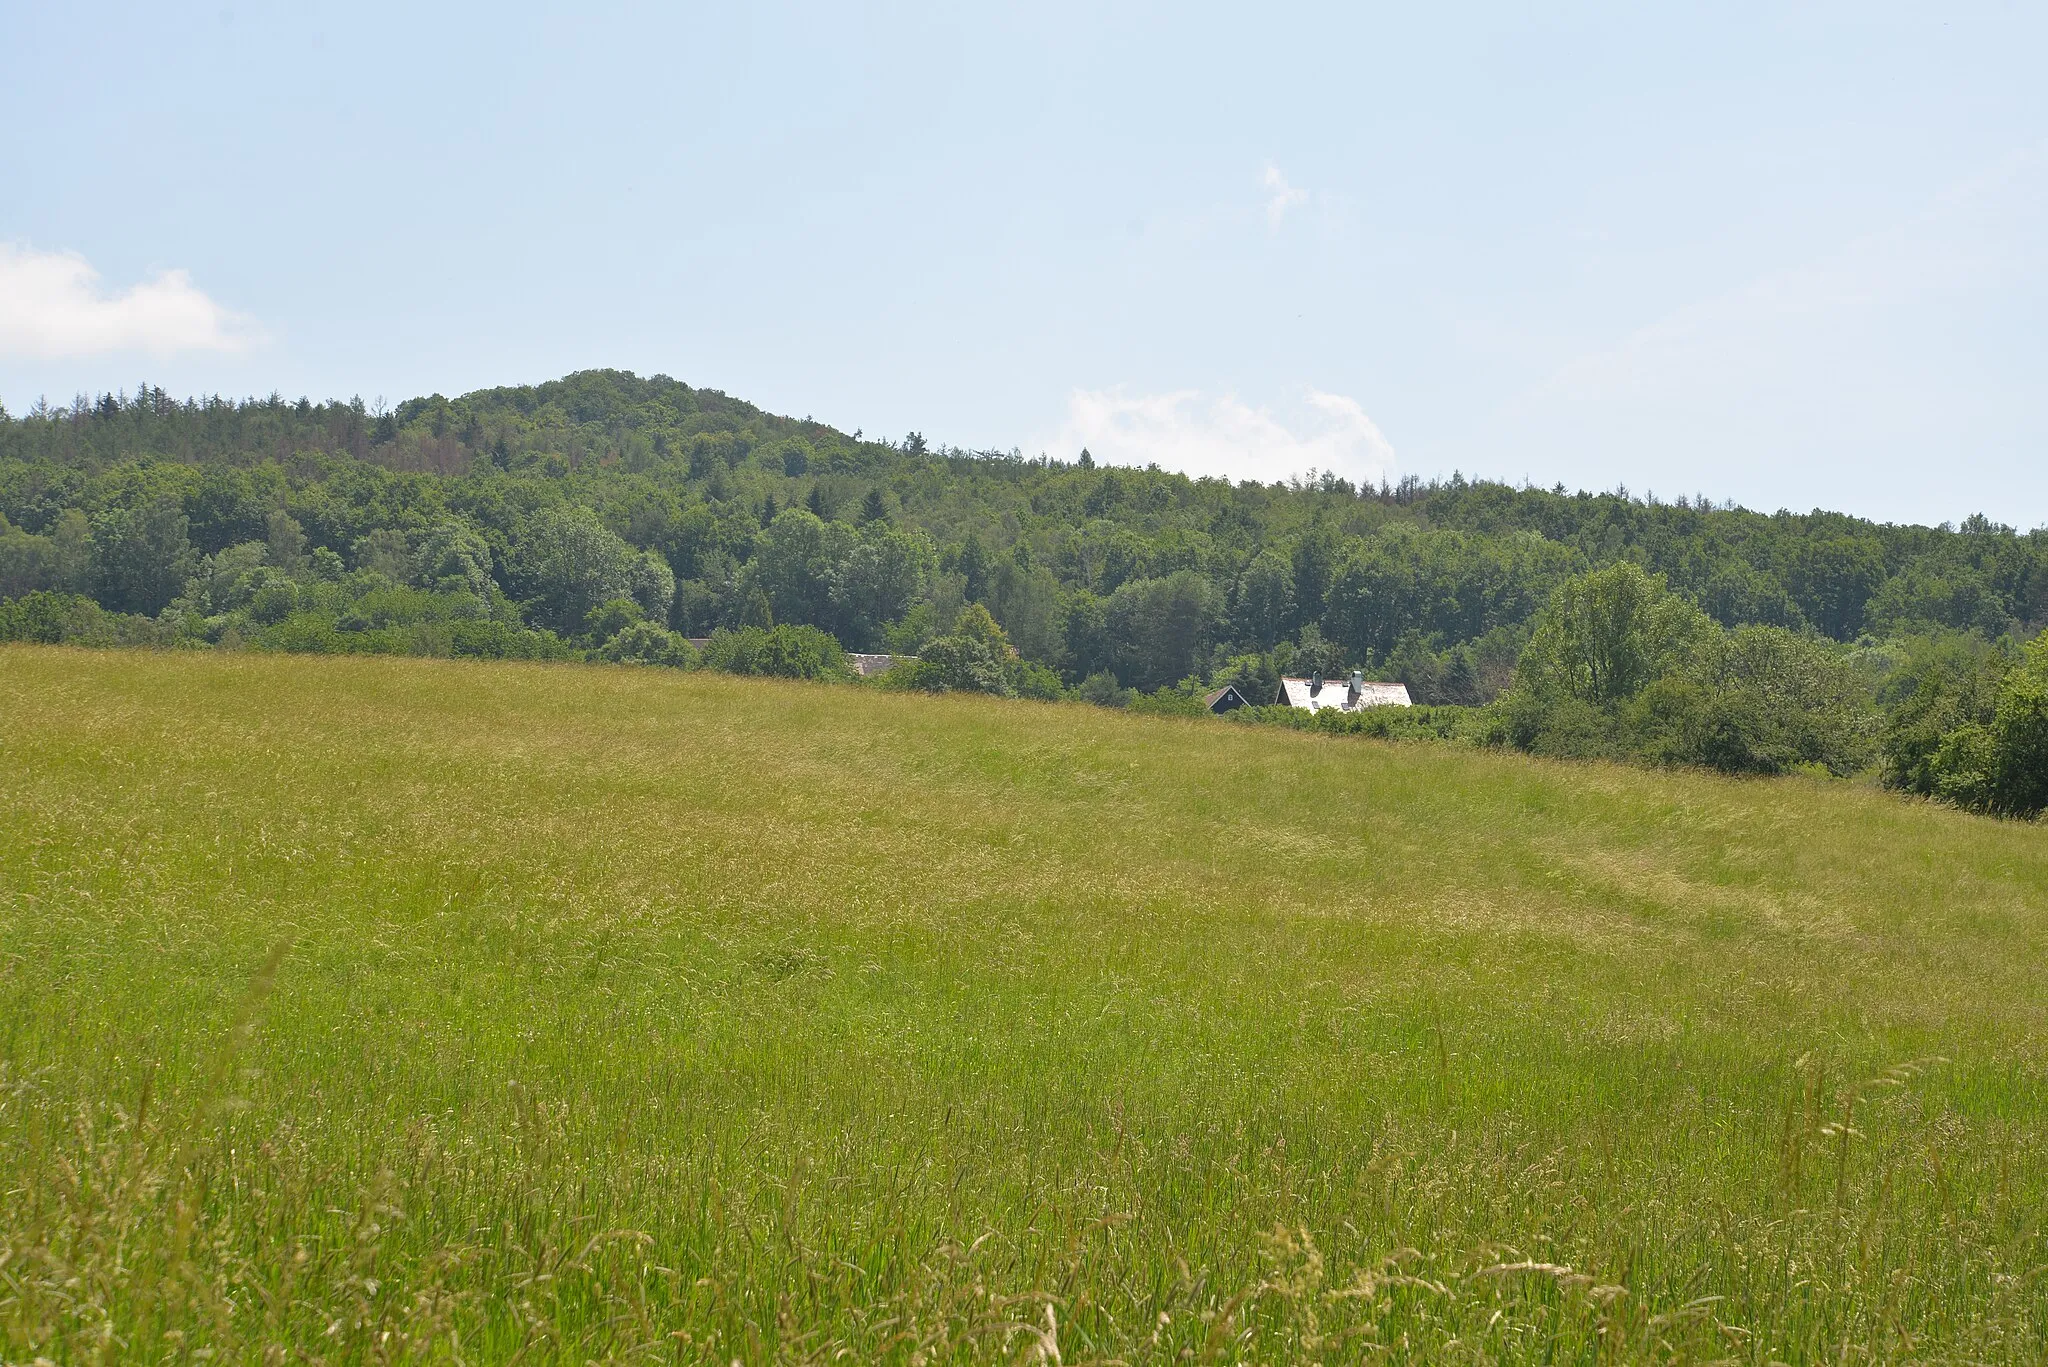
612 516
1075 561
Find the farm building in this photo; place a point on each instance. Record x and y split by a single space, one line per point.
864 665
1226 699
1315 693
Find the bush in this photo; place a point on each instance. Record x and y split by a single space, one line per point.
50 618
1038 682
2019 738
610 618
1970 726
500 640
274 602
1758 700
974 657
1103 690
1944 685
1619 667
1188 698
315 632
1448 722
647 644
786 652
306 633
1559 727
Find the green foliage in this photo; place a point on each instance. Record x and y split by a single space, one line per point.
453 557
1188 698
646 643
1253 675
877 582
1606 635
1941 698
408 622
1620 667
1470 726
49 618
2019 737
1161 629
569 562
1973 729
1758 700
61 561
1465 674
1263 613
793 564
974 657
548 503
141 556
609 618
785 651
1103 690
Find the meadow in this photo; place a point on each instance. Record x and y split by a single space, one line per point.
378 1010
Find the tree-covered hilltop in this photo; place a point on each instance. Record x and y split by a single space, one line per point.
609 514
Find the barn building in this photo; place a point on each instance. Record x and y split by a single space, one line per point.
1315 693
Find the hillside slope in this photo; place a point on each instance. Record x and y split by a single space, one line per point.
374 1008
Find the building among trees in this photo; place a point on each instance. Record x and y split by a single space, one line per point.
1315 693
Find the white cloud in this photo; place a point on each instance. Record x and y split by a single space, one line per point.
52 305
1224 436
1280 196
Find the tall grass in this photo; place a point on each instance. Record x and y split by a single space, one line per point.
367 1010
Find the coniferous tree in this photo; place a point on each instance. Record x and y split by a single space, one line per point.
974 568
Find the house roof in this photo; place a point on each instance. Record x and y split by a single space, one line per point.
1314 695
864 665
1224 693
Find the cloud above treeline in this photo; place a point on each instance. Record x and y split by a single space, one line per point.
53 306
1280 196
1222 435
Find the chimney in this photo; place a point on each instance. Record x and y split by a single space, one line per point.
1357 683
1315 682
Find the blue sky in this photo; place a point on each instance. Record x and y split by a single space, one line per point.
1791 255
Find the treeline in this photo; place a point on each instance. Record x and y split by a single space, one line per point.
612 516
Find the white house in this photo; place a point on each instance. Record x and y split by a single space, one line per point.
1315 693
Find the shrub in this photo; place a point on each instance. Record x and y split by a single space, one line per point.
50 618
1944 685
1103 690
974 657
1973 730
500 640
645 643
2019 737
611 617
1758 700
788 652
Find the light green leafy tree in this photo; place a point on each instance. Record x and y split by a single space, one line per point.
1607 635
453 557
573 563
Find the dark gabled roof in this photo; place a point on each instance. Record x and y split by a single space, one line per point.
1222 699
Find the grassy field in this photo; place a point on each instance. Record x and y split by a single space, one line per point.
375 1010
